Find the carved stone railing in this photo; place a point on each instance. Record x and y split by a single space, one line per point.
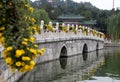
58 34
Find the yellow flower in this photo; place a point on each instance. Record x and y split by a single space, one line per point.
25 39
32 63
34 27
19 52
24 43
3 19
23 52
28 48
27 17
27 58
24 58
1 34
9 48
12 69
26 67
18 64
36 46
8 60
23 64
33 51
10 4
40 52
21 70
4 53
31 67
2 39
2 28
32 39
26 5
43 49
0 5
33 20
30 9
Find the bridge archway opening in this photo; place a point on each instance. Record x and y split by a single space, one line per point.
63 52
85 52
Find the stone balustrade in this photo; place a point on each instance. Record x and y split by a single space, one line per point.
58 35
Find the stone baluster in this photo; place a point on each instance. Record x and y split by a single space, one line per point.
72 25
63 24
57 26
68 26
41 24
76 27
50 23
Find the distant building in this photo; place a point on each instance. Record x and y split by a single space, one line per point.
50 1
76 19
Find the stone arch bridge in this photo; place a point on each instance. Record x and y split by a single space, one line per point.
61 44
58 44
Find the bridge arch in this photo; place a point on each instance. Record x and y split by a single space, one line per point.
85 48
85 52
63 52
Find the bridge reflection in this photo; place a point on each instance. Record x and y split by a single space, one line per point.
67 69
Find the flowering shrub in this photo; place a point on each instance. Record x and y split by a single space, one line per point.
86 31
73 29
63 28
16 35
49 27
98 34
93 32
82 28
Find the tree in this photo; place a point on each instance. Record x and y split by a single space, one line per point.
113 26
41 14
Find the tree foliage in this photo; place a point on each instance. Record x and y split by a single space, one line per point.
16 35
40 14
69 7
114 26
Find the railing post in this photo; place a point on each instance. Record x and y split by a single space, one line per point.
76 27
57 26
68 26
63 24
42 25
72 25
50 23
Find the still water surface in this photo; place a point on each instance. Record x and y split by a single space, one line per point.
97 66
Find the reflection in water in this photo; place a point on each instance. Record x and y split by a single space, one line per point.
85 55
85 52
97 54
73 69
63 62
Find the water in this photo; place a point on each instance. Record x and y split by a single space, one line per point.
97 66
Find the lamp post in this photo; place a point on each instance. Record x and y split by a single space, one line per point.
113 7
113 4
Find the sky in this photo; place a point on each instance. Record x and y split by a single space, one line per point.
102 4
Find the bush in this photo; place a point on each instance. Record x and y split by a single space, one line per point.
16 35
